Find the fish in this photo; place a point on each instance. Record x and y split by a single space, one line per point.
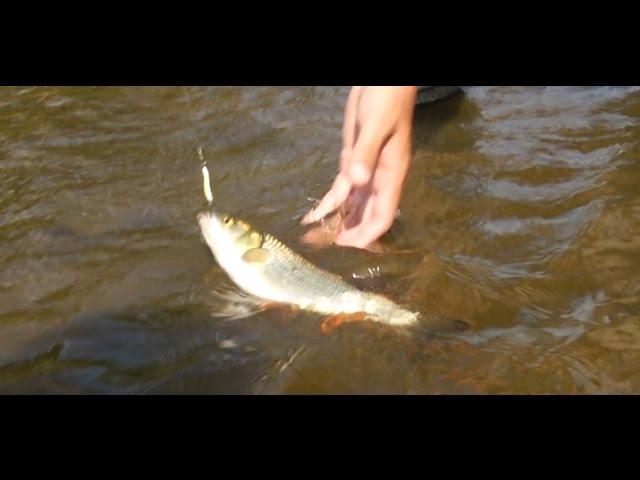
266 268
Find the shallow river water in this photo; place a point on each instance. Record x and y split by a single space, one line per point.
521 215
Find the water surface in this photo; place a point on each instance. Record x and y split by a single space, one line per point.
521 216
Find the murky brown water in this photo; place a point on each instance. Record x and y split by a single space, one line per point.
521 215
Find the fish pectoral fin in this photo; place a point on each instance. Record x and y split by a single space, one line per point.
256 255
334 321
287 311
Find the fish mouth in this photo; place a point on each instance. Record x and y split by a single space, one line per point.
205 222
204 217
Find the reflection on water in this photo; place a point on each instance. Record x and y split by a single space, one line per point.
520 216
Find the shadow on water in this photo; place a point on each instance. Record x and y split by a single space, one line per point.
143 350
147 350
430 118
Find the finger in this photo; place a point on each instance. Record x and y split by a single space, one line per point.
365 234
345 156
393 166
349 123
389 178
323 234
340 190
332 200
355 205
317 236
359 230
376 214
366 151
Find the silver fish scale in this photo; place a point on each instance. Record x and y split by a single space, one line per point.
300 277
304 283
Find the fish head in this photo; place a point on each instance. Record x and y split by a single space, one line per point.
226 236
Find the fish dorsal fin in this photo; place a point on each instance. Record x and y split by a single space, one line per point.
256 255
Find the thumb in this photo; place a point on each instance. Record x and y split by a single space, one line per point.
332 200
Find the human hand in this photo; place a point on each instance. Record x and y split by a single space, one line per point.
375 157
